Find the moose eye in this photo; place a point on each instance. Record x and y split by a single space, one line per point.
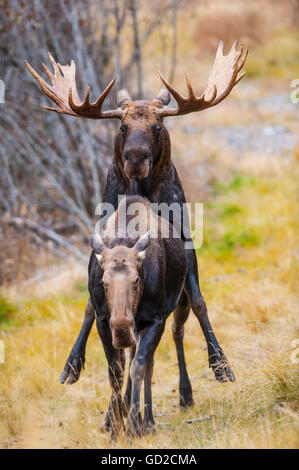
136 281
124 128
156 129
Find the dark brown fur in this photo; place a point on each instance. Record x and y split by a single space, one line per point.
134 286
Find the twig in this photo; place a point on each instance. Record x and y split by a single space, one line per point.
198 420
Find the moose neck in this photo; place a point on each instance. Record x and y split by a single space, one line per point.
142 188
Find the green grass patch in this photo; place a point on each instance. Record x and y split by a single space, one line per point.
8 311
236 184
228 223
82 287
277 58
35 309
230 209
245 237
229 241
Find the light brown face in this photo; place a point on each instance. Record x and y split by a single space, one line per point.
123 289
141 130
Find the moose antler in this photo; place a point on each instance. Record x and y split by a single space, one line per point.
222 78
63 92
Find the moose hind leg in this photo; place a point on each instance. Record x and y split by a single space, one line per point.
180 316
217 358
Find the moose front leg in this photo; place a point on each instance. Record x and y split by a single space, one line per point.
148 341
217 359
148 424
107 426
116 362
76 359
128 393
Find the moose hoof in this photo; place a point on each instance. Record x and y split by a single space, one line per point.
106 426
72 369
133 433
221 369
134 427
186 400
148 427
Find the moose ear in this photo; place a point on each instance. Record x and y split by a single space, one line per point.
122 97
97 245
163 96
142 245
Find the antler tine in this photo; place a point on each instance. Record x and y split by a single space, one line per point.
220 49
102 97
222 78
54 64
63 91
234 46
93 110
190 90
47 71
37 77
170 88
241 64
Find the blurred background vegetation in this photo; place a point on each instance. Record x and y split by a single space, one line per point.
240 158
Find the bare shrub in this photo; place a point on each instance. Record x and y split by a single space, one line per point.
53 168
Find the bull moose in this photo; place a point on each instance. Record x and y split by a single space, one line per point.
134 286
142 165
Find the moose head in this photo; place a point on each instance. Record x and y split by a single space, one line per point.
123 286
143 139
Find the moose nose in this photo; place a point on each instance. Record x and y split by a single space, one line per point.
123 335
121 332
135 156
123 338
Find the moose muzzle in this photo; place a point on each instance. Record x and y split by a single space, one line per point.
137 156
123 335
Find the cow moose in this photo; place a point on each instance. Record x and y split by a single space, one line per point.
142 165
134 285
